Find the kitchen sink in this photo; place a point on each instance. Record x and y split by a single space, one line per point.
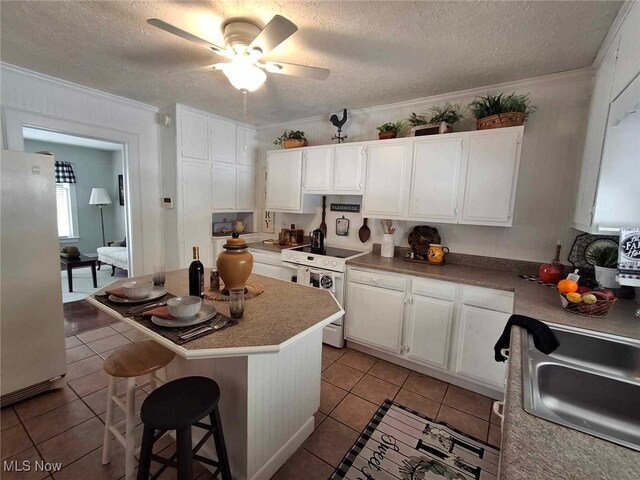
591 383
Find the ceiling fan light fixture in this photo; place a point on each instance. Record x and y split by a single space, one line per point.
244 76
273 67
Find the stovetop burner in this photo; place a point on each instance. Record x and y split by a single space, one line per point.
328 251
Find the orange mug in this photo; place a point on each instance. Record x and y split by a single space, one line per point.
437 253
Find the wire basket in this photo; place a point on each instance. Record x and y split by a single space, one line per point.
599 309
295 142
502 120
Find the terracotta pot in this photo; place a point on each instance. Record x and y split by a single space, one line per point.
235 263
387 135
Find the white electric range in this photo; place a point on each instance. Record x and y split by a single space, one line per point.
322 268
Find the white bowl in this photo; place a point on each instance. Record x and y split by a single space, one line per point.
184 307
136 290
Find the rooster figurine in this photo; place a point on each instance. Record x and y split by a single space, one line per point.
338 123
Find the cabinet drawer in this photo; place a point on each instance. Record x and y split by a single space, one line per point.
498 300
377 280
434 288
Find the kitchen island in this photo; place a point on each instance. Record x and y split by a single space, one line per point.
267 366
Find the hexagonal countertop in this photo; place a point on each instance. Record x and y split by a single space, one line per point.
282 314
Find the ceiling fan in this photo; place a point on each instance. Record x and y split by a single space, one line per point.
246 46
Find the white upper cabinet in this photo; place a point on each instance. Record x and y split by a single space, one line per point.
223 140
435 179
388 166
491 176
284 173
224 187
317 169
192 135
245 146
628 61
245 188
348 169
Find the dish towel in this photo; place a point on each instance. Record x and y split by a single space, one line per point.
162 312
543 337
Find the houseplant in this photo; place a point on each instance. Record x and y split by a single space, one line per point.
389 129
439 120
448 113
605 260
291 139
498 111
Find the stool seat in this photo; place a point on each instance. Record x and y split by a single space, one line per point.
180 403
137 359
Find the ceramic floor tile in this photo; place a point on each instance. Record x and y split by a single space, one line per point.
44 402
80 352
90 466
97 401
468 402
319 418
495 435
342 375
30 455
304 465
97 334
390 372
332 352
90 383
8 418
331 441
330 397
13 440
108 343
426 386
72 341
56 421
464 422
74 443
326 363
84 367
358 360
354 412
121 326
417 402
375 389
135 335
82 317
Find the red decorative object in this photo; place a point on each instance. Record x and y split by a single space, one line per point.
552 272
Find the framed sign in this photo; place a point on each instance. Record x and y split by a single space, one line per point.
268 222
345 207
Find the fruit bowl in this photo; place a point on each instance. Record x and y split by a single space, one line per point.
598 309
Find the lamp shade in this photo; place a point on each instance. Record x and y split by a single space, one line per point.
99 196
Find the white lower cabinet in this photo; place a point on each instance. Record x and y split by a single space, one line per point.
430 330
375 316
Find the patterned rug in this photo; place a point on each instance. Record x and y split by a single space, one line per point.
401 444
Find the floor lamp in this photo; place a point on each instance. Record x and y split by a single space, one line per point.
100 197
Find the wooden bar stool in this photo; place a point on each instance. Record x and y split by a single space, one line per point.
179 405
131 362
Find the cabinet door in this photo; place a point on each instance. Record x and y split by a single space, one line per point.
224 187
374 316
348 162
386 184
628 62
284 181
195 210
430 330
434 180
317 169
223 140
479 330
245 146
193 135
491 177
245 181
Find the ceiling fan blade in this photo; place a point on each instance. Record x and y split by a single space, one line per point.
302 71
273 34
167 27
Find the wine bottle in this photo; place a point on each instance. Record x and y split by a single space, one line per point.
196 275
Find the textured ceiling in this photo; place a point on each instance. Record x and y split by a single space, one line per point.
378 52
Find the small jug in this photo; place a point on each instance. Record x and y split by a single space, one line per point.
240 225
436 253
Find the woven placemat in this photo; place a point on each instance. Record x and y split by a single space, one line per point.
172 334
253 290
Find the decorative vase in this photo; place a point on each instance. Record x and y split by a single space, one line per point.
235 263
388 134
294 142
607 277
387 248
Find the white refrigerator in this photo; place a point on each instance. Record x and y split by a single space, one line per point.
32 353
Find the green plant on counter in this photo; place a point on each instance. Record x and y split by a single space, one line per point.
605 256
416 119
450 113
289 135
391 126
497 104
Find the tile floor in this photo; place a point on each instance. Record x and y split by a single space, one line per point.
66 425
82 316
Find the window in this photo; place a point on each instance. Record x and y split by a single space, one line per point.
66 210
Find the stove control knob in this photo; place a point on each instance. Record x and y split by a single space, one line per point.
326 262
295 257
288 255
334 263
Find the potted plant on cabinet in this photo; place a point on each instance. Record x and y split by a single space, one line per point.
499 111
605 260
439 121
389 129
291 139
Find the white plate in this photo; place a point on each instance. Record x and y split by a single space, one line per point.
207 312
157 292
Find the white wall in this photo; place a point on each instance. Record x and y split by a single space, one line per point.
549 169
49 101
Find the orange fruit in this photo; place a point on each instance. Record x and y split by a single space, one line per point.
567 286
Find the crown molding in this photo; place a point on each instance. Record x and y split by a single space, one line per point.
569 76
613 32
74 87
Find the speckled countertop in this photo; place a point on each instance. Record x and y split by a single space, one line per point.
283 311
533 448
